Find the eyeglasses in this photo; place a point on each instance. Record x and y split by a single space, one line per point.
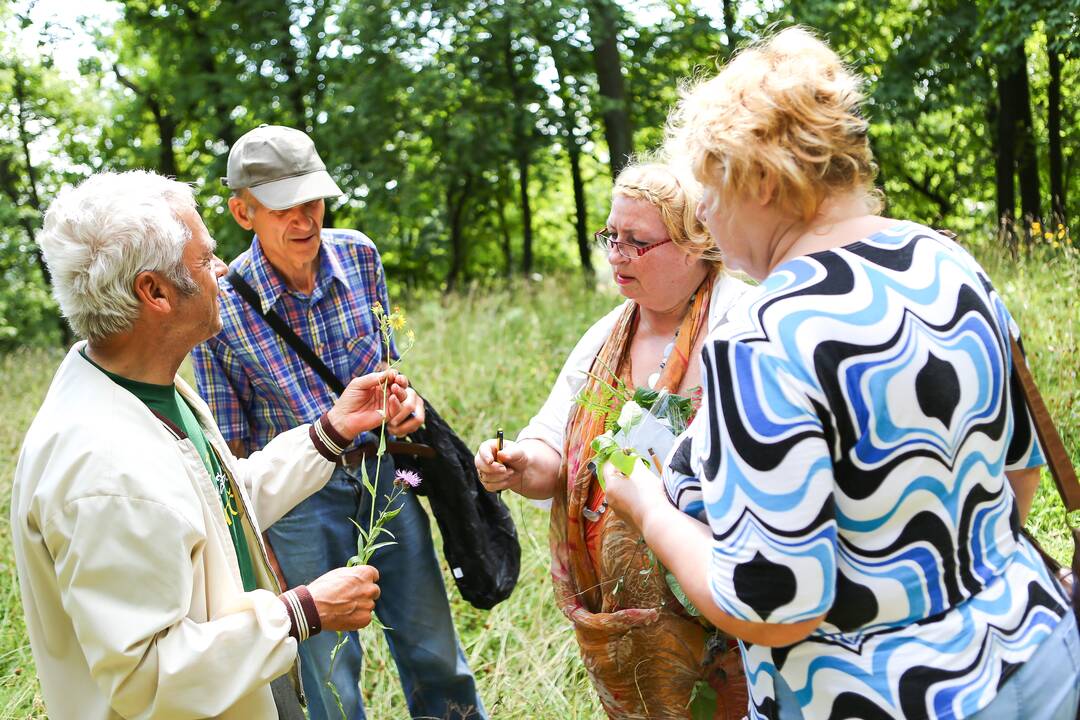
627 250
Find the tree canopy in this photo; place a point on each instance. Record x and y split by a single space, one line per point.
478 138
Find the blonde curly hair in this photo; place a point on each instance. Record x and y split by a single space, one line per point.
782 117
674 192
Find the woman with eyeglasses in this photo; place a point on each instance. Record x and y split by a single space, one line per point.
643 653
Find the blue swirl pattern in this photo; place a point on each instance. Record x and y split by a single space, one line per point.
860 414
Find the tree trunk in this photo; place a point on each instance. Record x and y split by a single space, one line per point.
166 125
1053 127
1008 118
573 151
455 212
167 133
729 26
581 217
618 133
523 143
1027 157
66 336
504 227
526 210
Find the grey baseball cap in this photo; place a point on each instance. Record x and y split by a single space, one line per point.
280 166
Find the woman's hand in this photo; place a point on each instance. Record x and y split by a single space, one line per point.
633 496
685 547
504 469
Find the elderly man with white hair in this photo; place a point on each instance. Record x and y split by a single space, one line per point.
137 534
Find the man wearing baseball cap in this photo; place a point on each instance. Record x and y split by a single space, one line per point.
324 284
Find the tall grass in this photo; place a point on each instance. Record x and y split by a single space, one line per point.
486 360
25 377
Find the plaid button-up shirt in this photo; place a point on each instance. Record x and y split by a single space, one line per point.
255 384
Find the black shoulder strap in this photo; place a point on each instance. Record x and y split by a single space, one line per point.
278 324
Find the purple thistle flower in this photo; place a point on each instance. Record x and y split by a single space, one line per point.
406 478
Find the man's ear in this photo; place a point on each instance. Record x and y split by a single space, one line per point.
239 210
153 292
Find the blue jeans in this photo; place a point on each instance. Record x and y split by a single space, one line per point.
316 537
1046 687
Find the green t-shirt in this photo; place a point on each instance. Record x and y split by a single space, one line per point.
167 401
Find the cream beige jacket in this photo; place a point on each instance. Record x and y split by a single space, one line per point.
132 593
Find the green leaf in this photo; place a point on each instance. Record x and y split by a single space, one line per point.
680 594
702 701
624 460
645 397
371 550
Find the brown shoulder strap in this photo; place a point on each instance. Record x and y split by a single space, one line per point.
1057 458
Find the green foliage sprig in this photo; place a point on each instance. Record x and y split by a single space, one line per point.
370 540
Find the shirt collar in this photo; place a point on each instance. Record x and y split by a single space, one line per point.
270 286
264 278
330 266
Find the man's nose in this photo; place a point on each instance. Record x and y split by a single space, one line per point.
300 217
220 268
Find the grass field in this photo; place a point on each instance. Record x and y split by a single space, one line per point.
486 360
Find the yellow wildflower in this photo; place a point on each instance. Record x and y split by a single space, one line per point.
377 308
1048 236
1061 232
1036 228
397 320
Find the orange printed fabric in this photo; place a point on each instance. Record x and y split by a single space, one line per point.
643 653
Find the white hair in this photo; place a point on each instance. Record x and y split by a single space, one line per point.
103 232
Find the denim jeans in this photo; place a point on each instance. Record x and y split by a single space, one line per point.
317 536
1046 687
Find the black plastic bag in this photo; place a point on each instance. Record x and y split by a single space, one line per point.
480 542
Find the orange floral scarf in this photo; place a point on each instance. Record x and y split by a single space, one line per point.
643 653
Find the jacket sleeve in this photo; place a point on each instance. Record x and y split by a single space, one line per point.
282 474
127 573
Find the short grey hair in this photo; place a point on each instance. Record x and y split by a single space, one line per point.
247 198
99 235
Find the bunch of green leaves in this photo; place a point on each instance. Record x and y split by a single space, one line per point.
676 409
604 399
607 449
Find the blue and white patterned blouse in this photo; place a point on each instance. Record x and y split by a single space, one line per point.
860 413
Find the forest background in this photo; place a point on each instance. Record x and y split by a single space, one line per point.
476 141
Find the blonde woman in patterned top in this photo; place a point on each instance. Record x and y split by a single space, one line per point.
863 461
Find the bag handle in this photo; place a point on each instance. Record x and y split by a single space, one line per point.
278 324
1061 467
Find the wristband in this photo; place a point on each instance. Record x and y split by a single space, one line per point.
327 441
304 620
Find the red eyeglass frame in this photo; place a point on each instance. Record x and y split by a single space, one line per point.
602 238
